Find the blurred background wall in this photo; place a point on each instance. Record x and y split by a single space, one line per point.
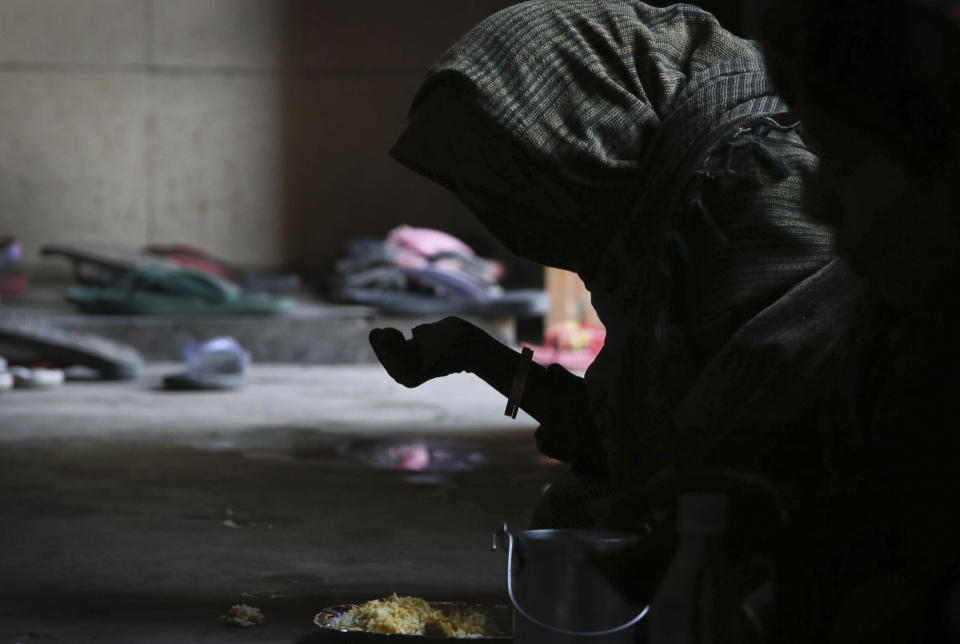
256 129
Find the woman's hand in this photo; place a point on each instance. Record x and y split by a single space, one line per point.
453 344
434 350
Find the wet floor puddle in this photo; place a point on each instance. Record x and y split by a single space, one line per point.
423 459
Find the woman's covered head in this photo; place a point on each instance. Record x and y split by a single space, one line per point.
540 117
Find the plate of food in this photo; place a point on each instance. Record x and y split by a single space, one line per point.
405 618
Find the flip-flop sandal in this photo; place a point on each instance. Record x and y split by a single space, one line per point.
218 364
30 341
173 291
189 256
100 265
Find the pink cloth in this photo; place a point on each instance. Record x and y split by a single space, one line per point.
416 247
427 241
569 344
569 359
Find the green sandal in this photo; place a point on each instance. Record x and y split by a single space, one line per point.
157 290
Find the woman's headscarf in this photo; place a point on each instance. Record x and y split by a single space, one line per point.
540 118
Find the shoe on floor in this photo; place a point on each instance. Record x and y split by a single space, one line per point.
220 363
31 340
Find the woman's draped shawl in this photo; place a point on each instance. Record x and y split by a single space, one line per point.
644 148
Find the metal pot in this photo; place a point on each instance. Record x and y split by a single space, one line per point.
566 586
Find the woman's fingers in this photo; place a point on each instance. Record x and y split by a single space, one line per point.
436 349
397 355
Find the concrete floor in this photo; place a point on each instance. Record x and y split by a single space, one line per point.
131 514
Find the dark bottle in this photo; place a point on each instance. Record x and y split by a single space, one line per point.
697 601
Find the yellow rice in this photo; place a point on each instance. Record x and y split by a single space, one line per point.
413 616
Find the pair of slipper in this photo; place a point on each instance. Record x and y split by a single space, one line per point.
30 340
168 280
28 377
256 281
423 271
95 265
161 290
217 364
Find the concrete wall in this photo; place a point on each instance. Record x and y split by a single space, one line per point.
257 129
